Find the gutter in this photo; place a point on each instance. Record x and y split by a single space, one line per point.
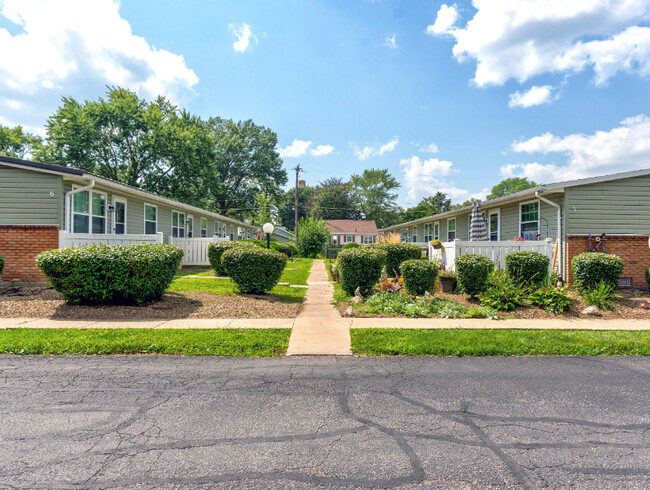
559 231
68 203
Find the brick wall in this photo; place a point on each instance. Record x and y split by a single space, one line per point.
633 250
20 244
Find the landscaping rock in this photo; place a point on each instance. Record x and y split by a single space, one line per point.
357 300
592 311
349 311
641 303
384 275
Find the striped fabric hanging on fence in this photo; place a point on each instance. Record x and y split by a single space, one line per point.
477 228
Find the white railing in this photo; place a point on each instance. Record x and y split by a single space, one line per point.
80 239
495 251
195 250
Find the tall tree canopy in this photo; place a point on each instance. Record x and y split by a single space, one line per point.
17 143
438 203
286 206
334 202
374 191
510 186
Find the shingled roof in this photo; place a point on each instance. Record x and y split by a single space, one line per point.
351 226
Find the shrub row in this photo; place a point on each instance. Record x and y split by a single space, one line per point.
419 276
360 268
527 268
253 269
121 274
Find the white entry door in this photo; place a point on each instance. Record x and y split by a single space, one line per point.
119 216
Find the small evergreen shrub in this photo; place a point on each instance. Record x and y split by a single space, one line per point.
591 268
419 276
2 265
111 274
350 245
527 268
553 299
601 296
396 253
472 273
254 269
503 293
360 268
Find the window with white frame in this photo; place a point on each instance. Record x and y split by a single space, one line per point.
405 234
89 212
217 229
349 238
178 224
529 220
240 233
367 239
436 231
428 235
119 215
204 227
248 234
150 219
451 229
493 226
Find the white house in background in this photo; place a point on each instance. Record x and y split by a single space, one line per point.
344 231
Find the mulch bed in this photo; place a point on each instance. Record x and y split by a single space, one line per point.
43 302
624 307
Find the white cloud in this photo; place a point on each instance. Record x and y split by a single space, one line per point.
322 150
430 148
520 39
80 46
423 178
296 149
370 151
445 20
626 147
243 35
536 95
390 42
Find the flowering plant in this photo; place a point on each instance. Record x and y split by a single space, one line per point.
517 239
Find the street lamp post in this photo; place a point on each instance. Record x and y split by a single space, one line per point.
268 229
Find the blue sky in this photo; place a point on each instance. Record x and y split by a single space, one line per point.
450 97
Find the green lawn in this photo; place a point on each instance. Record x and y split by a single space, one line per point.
204 342
227 287
390 342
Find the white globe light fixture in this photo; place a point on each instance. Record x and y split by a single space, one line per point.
268 229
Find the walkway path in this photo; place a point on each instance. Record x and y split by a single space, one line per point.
319 328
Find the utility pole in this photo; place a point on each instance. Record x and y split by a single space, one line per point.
295 228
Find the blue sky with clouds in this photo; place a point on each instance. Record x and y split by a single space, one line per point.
450 97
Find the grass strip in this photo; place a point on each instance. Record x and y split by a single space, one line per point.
458 342
228 288
185 342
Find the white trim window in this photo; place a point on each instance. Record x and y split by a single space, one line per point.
178 224
414 236
150 219
189 226
529 220
89 212
218 231
405 235
367 239
436 230
494 225
204 228
349 238
451 229
240 233
119 216
428 232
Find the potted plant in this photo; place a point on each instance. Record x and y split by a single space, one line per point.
437 244
447 281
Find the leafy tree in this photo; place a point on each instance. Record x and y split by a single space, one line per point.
333 182
245 163
469 202
334 202
286 206
373 190
438 203
17 143
312 236
510 186
262 212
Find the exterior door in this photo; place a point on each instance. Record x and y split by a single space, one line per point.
119 216
190 227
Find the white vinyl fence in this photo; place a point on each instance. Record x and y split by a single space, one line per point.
195 250
495 251
80 239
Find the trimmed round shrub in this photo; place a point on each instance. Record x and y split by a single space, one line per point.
527 268
350 245
419 276
2 264
396 253
216 250
360 268
472 273
111 274
590 268
288 249
254 269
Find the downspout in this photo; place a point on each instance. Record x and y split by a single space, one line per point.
559 231
68 204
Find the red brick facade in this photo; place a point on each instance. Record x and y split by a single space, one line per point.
633 250
20 244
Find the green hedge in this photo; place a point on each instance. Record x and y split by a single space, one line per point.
253 269
216 250
419 275
350 245
647 276
396 253
288 249
472 273
590 268
2 264
107 274
527 268
360 268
